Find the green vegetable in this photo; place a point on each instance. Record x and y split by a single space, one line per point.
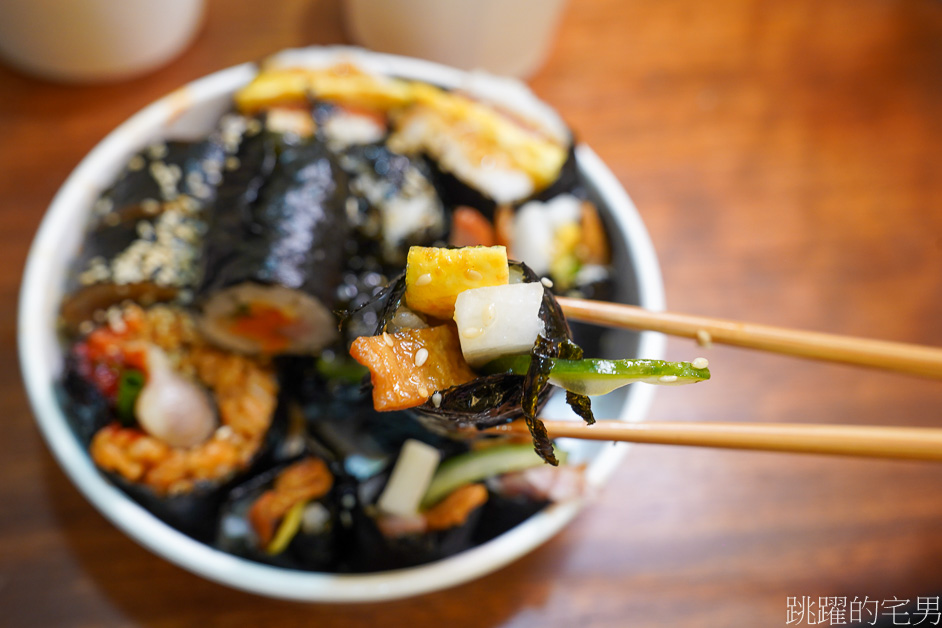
346 370
287 530
598 377
130 384
475 466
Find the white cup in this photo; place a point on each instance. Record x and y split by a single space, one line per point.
509 37
95 40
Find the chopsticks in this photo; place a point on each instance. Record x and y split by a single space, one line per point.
904 443
893 356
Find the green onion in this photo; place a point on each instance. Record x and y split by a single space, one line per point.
591 376
130 384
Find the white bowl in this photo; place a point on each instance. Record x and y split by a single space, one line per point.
188 113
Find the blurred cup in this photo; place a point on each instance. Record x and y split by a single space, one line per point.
95 40
509 37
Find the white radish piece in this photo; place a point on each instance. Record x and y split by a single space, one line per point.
409 479
498 320
536 224
172 408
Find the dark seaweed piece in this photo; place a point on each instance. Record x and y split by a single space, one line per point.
535 382
580 404
569 180
164 171
86 409
279 219
391 188
194 513
502 513
364 319
537 376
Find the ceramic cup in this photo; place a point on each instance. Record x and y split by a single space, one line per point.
95 40
507 37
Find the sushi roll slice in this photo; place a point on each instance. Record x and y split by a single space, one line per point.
145 232
287 516
274 250
562 239
398 206
180 418
392 527
456 310
486 154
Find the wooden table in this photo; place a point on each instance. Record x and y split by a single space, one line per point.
787 159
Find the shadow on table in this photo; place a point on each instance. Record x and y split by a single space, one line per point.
128 580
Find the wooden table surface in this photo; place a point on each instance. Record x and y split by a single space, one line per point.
787 160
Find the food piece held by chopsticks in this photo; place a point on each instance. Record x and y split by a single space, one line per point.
491 340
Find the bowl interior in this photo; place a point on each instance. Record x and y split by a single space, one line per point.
190 112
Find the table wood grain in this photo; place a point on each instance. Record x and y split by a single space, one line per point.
787 160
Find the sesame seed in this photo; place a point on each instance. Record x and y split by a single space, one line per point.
111 219
86 327
437 400
103 206
423 280
150 206
471 332
667 379
473 275
421 356
490 313
232 163
700 363
423 391
157 151
704 339
546 281
136 163
387 339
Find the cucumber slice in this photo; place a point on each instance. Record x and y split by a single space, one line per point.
592 376
475 466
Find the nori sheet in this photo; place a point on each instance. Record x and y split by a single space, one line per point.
279 219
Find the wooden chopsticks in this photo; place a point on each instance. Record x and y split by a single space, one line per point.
905 443
893 356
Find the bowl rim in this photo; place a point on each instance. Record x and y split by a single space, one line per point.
36 330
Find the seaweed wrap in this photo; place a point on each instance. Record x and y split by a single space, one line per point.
393 529
452 313
145 233
398 206
273 254
173 419
287 516
485 154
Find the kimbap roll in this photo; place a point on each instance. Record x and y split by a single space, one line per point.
146 230
180 417
287 516
273 253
